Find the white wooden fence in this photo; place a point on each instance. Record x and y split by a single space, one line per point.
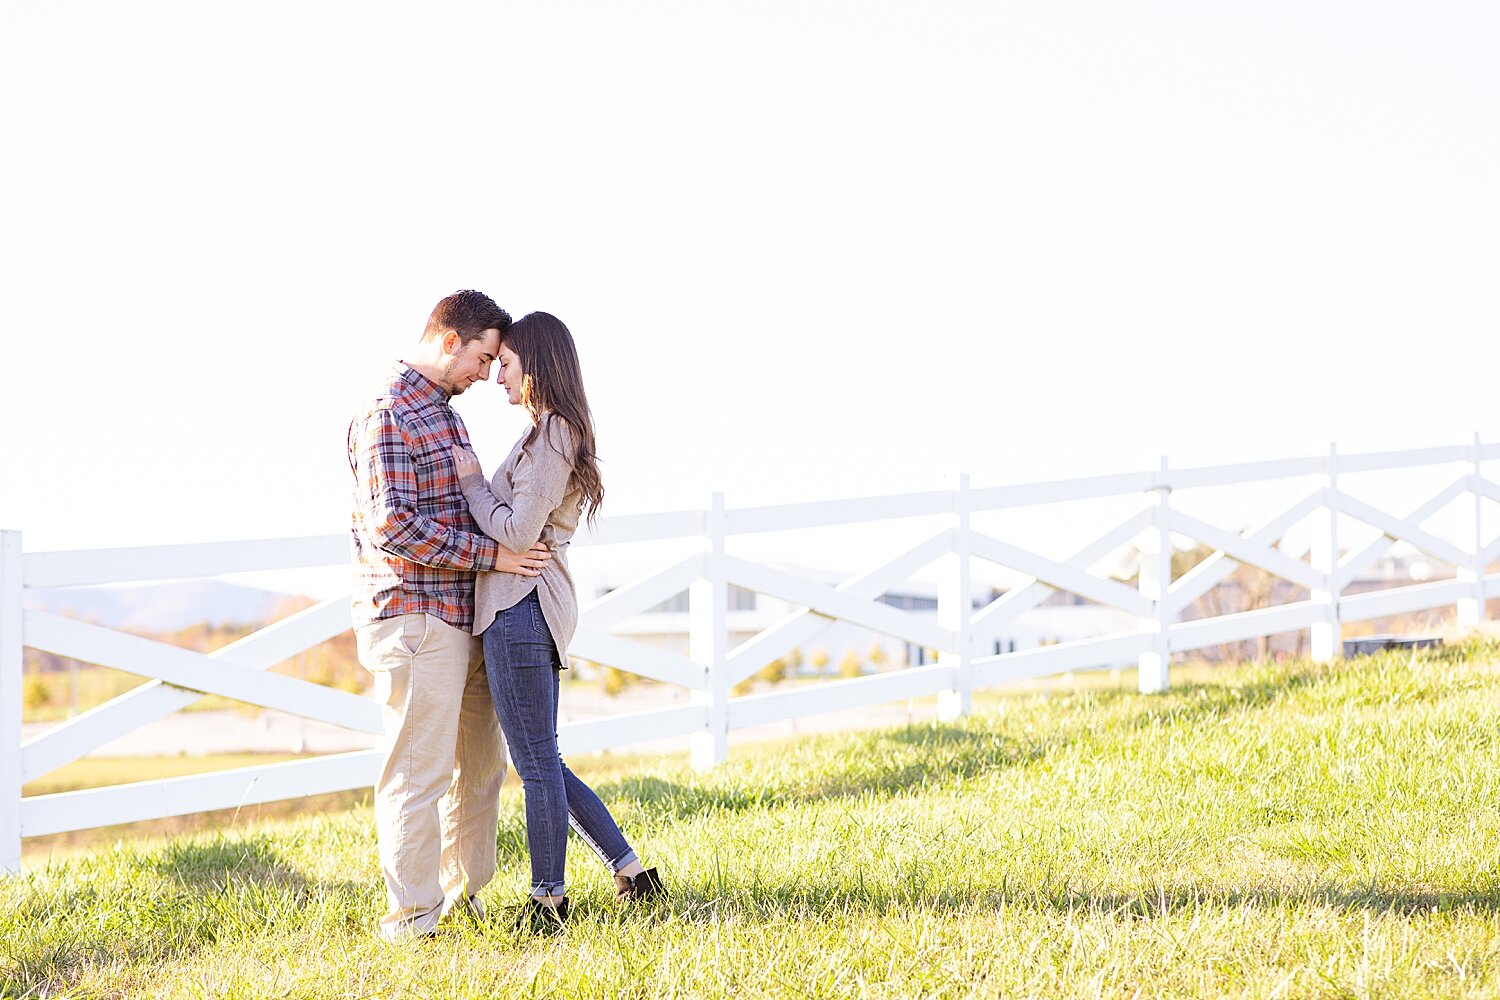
713 666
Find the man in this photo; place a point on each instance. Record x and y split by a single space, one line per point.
416 550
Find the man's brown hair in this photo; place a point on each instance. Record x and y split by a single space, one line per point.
469 314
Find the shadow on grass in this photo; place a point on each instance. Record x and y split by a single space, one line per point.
212 865
1269 684
804 900
1153 904
883 764
157 907
1198 700
510 839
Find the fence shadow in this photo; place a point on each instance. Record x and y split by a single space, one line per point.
1153 904
510 839
1196 700
212 865
889 763
804 899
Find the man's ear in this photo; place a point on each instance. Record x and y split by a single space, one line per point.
452 343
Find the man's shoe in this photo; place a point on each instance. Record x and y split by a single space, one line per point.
643 885
408 932
470 908
539 918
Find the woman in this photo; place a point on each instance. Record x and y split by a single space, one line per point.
549 479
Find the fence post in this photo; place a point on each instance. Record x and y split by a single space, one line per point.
708 642
955 612
1471 609
1153 667
1327 635
10 702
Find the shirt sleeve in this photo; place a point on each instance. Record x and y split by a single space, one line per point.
387 487
541 481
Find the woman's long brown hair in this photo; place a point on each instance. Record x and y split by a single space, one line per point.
553 383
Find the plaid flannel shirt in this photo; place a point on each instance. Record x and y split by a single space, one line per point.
416 546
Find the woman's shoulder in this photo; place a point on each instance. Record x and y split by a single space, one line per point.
557 435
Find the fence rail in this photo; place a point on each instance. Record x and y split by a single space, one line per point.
959 633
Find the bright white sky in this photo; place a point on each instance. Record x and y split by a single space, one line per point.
808 249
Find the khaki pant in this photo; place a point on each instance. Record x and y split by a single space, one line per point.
437 798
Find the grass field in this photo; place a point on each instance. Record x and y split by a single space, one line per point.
1274 831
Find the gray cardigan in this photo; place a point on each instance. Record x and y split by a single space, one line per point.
531 498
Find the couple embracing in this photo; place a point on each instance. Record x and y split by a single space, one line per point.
463 611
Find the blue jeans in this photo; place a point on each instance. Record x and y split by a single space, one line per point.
521 661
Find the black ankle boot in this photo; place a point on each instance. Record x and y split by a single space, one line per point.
539 918
642 886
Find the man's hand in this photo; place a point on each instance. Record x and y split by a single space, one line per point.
466 463
528 563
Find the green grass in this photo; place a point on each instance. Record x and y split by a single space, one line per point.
1267 831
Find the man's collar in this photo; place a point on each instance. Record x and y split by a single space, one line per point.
422 383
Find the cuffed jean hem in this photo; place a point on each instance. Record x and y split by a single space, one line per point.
613 864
